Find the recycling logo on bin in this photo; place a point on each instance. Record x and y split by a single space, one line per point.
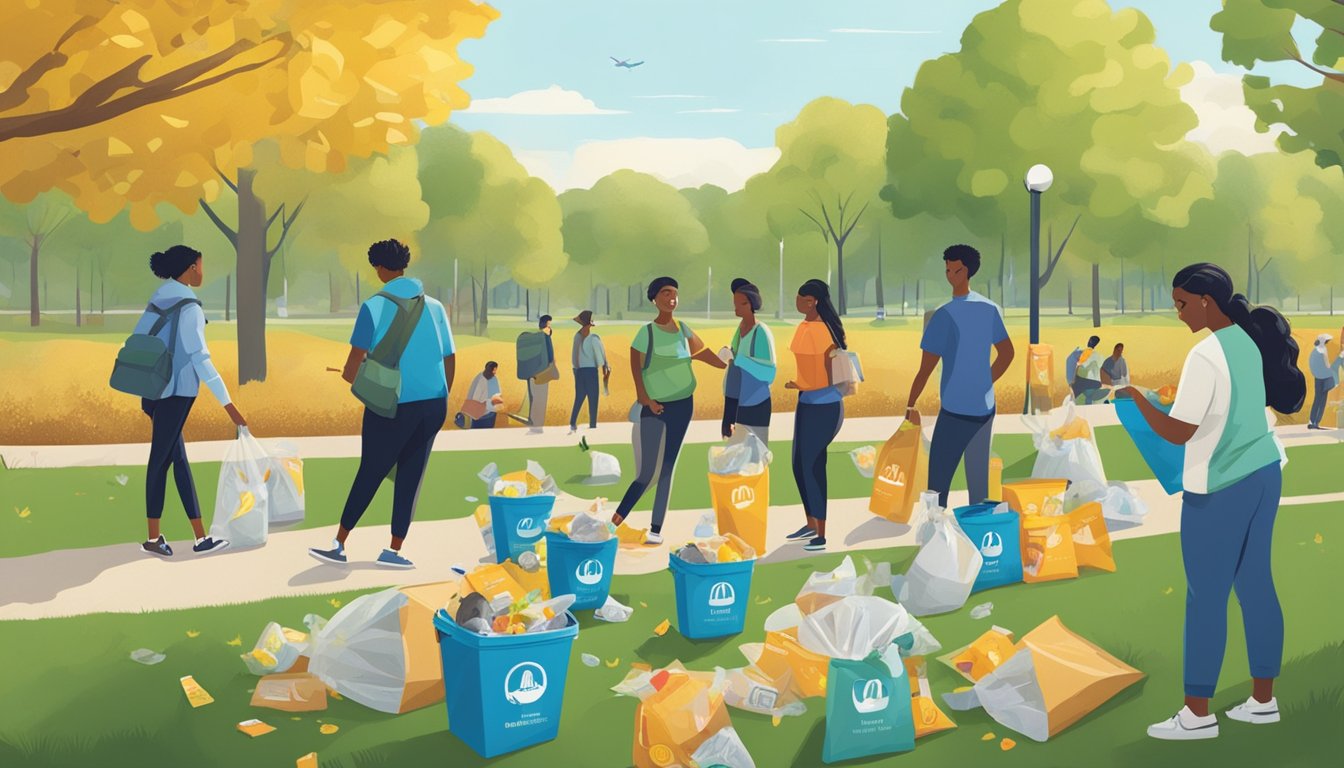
892 475
991 545
722 594
743 497
870 696
589 572
528 528
525 683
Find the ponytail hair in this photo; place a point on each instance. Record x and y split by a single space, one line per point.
818 290
1285 386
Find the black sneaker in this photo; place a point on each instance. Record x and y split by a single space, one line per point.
806 532
159 547
816 545
209 546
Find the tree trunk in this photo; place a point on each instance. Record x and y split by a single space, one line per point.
1143 289
1070 297
1096 295
840 275
475 327
102 292
1120 298
78 319
333 293
881 302
228 297
903 284
34 308
1250 263
253 267
1003 257
359 294
485 305
527 305
918 305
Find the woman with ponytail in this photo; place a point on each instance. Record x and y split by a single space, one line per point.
820 410
1233 478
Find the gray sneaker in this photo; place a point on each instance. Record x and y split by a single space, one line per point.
159 547
390 559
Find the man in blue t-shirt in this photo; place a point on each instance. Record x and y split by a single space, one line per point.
960 334
403 442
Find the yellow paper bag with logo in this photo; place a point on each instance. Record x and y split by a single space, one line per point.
901 472
1041 369
1036 497
929 719
1091 540
1047 549
674 721
741 504
792 667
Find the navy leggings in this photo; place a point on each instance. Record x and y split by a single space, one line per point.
404 442
660 439
815 425
169 416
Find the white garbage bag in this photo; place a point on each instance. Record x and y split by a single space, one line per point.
284 483
1120 503
943 572
822 589
242 506
926 511
606 469
276 650
855 626
1075 459
724 748
744 454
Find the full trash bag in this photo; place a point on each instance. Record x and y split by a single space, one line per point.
943 572
824 588
1119 502
679 712
744 454
868 707
606 469
242 499
276 650
739 486
857 625
284 484
1055 679
1065 448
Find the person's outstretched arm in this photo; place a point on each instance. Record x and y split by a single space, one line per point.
703 353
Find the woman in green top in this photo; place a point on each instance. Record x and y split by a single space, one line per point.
660 361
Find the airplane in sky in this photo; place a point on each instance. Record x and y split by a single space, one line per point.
625 63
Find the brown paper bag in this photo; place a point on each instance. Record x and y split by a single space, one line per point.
291 692
1075 676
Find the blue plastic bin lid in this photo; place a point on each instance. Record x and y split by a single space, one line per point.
444 624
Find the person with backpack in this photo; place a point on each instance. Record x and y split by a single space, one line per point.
746 385
820 410
401 366
961 334
1086 381
660 363
1232 479
166 361
536 365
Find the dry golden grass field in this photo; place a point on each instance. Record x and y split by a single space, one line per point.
53 387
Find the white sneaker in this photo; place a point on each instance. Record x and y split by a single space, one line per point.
1185 726
1256 712
652 539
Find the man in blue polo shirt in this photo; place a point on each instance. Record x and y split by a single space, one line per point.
404 441
961 334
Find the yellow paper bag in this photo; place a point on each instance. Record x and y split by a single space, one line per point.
1042 375
740 505
492 581
792 667
1047 548
929 719
1036 497
673 722
1075 676
984 655
901 471
1091 540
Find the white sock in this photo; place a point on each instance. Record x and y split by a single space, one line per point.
337 545
202 539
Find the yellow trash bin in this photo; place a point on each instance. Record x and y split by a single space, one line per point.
741 503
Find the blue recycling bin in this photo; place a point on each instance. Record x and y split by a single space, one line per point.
518 523
1165 459
503 692
996 532
711 597
580 568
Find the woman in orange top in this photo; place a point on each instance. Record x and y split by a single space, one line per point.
820 409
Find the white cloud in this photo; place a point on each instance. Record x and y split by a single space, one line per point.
679 162
868 31
1225 122
793 40
710 111
670 96
549 101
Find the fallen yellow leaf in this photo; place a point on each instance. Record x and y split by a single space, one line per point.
307 761
193 633
236 641
296 717
25 512
776 720
662 628
1168 591
643 604
333 693
1007 744
763 600
988 736
327 729
1318 539
613 663
334 603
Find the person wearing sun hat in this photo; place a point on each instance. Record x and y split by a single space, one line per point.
586 357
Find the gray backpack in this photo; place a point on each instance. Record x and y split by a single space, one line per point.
144 365
378 382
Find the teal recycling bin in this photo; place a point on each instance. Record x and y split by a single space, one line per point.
518 523
711 597
503 691
1165 459
580 568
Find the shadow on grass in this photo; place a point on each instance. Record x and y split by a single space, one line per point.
661 651
71 752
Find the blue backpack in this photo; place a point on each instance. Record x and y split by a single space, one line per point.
144 364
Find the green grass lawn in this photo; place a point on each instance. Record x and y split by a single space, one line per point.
86 507
73 698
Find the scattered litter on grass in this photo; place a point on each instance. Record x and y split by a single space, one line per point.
643 604
662 628
982 611
776 720
307 761
193 633
988 736
335 694
614 663
327 729
296 718
764 600
23 513
1168 591
147 657
589 660
641 666
472 499
613 611
121 479
1319 539
1007 744
196 695
255 728
236 642
334 603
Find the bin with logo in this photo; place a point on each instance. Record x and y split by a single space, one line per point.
711 597
580 568
1164 458
741 504
518 523
504 692
996 532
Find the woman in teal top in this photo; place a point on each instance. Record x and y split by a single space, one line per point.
746 385
660 362
1233 478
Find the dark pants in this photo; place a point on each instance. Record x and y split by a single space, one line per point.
404 442
955 436
585 388
756 418
1318 405
1226 537
1081 388
169 416
814 427
660 440
463 421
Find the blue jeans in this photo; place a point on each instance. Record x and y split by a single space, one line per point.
169 416
1323 387
1225 544
955 436
815 425
404 442
585 388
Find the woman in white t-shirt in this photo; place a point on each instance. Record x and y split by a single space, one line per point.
1233 478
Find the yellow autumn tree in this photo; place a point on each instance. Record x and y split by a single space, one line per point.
136 103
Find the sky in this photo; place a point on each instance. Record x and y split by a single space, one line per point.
720 75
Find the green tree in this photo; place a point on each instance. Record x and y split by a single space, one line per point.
1261 31
36 224
1067 83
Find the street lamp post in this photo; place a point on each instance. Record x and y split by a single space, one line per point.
1037 181
779 308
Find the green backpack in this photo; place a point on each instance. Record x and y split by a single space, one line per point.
378 382
144 364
